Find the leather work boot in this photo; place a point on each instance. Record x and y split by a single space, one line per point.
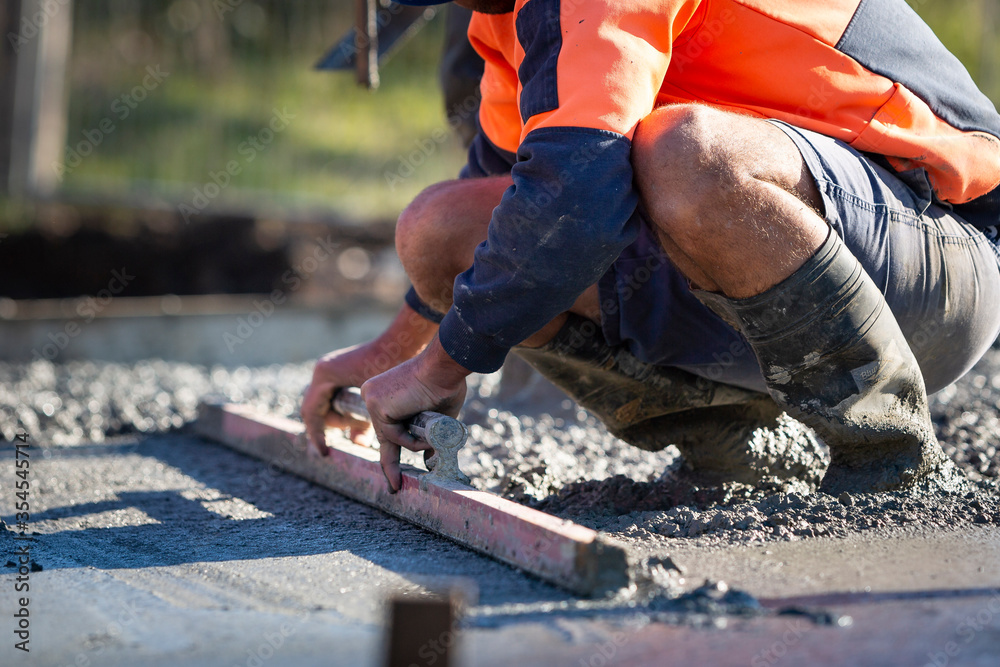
725 433
834 357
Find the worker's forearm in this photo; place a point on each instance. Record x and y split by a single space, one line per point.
553 235
439 369
404 339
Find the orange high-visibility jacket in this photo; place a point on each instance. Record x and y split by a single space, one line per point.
567 82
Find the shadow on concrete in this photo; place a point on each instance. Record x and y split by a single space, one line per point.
296 518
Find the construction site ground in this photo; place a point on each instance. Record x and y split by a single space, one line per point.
153 547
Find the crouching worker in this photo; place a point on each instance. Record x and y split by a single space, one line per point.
696 215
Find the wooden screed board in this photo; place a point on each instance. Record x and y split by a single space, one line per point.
559 551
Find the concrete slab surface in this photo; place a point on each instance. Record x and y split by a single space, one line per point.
169 550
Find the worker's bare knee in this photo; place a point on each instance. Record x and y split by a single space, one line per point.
419 229
437 234
684 162
429 240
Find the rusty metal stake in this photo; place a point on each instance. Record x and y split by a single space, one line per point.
366 42
421 631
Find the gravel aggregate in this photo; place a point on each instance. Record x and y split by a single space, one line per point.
531 444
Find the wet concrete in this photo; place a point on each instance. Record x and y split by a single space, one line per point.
212 552
533 445
168 550
856 568
724 432
179 532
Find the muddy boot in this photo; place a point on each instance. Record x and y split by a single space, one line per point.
724 432
834 357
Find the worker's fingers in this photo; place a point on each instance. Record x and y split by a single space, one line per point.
316 411
395 433
358 432
336 420
391 438
362 435
318 415
389 459
314 414
393 398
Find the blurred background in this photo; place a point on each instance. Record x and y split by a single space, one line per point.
195 145
225 66
232 62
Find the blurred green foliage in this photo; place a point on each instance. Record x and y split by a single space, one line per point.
231 63
229 70
969 29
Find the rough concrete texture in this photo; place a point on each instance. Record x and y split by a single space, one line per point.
166 550
718 428
160 549
535 446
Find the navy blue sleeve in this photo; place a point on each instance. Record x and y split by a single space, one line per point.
414 301
567 217
487 159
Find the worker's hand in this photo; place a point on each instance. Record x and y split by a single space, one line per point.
430 381
403 339
343 368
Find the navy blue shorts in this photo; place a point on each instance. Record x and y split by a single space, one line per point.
940 276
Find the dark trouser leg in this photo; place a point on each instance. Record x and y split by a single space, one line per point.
460 72
833 355
650 407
